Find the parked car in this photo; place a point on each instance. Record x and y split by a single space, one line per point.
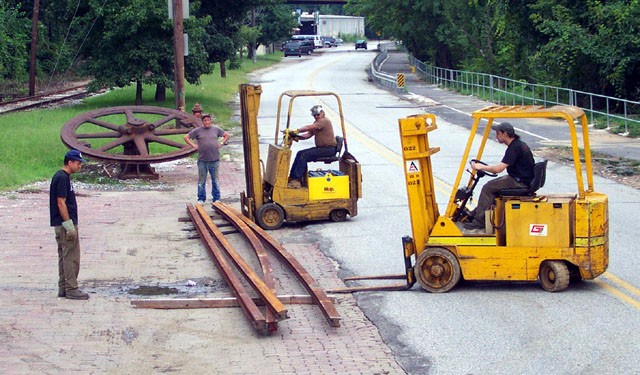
329 41
292 48
307 46
361 43
315 39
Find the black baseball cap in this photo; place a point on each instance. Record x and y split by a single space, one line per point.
74 155
505 127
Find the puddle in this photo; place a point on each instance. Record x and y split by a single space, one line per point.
146 290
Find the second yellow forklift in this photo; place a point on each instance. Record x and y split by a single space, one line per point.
551 238
328 194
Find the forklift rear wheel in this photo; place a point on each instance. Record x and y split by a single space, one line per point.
554 276
437 270
338 215
270 216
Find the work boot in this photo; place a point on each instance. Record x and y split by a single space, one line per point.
474 224
473 231
76 294
61 292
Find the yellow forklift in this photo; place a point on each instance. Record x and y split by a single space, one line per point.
327 194
552 238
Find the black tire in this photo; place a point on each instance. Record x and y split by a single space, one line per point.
437 270
338 215
270 216
554 276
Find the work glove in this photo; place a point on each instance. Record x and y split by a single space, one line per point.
68 226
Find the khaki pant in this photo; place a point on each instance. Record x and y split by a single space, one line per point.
68 259
490 191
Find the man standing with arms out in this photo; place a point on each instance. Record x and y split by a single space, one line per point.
325 145
517 160
63 211
208 146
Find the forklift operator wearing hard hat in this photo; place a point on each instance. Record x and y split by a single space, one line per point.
325 145
517 160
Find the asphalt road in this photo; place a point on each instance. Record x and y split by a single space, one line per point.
477 328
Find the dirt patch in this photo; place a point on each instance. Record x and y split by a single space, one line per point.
621 170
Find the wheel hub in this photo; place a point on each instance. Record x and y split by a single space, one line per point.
436 270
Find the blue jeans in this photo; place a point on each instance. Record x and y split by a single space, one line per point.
210 167
299 167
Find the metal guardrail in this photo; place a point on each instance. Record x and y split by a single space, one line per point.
604 111
601 109
385 80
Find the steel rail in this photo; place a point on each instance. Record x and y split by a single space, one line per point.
253 314
318 294
266 292
42 99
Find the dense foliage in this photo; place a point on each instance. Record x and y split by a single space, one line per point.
591 45
122 42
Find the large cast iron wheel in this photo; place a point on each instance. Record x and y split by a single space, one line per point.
554 276
131 134
437 270
270 216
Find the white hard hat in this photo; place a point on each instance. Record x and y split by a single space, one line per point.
316 109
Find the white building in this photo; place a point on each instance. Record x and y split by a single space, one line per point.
330 25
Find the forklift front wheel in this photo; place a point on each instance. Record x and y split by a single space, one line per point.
554 276
437 270
338 215
270 216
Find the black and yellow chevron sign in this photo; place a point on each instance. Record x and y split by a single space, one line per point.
400 80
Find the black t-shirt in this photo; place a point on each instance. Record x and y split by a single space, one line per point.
61 187
519 159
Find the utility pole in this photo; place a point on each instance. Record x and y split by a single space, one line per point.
34 49
178 53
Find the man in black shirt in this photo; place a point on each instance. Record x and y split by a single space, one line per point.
63 211
517 160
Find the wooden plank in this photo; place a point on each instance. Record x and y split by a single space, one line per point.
265 291
318 294
215 302
250 309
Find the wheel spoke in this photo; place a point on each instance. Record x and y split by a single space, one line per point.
131 118
103 124
164 120
115 143
166 141
171 131
141 145
98 135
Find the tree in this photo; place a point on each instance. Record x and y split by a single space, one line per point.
132 42
15 29
276 23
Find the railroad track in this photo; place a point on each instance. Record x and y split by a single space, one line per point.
261 304
44 99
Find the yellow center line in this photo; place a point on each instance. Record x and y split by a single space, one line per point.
611 289
622 284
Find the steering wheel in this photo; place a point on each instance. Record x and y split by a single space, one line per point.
482 173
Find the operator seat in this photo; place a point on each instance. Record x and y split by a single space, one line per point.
539 177
336 157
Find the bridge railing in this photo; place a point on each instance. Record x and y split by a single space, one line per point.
622 115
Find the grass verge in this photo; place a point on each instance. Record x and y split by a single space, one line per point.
31 148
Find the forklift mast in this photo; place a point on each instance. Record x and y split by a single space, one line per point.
416 154
250 105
